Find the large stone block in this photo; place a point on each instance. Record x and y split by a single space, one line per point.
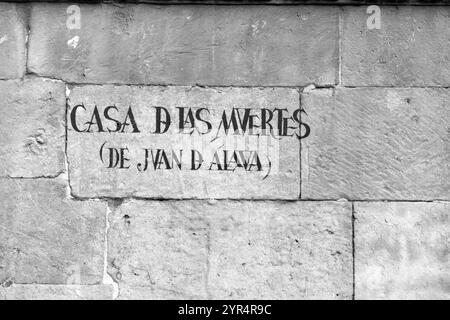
277 177
32 128
231 250
46 238
410 48
402 250
377 143
13 35
298 250
159 249
56 292
186 45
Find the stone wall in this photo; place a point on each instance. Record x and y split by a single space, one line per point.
357 209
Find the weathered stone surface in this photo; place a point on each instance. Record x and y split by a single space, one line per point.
410 49
185 45
32 128
160 248
56 292
47 238
13 34
281 251
402 250
377 143
231 250
279 177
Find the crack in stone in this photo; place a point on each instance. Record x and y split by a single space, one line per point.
50 176
191 86
32 74
300 141
340 42
140 198
208 263
353 251
107 278
27 21
67 163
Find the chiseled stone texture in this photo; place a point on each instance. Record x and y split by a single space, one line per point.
90 177
159 249
410 49
186 45
231 250
377 143
56 292
402 250
47 238
13 34
32 128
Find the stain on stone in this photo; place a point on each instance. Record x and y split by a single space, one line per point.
35 143
122 21
7 283
115 203
127 219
